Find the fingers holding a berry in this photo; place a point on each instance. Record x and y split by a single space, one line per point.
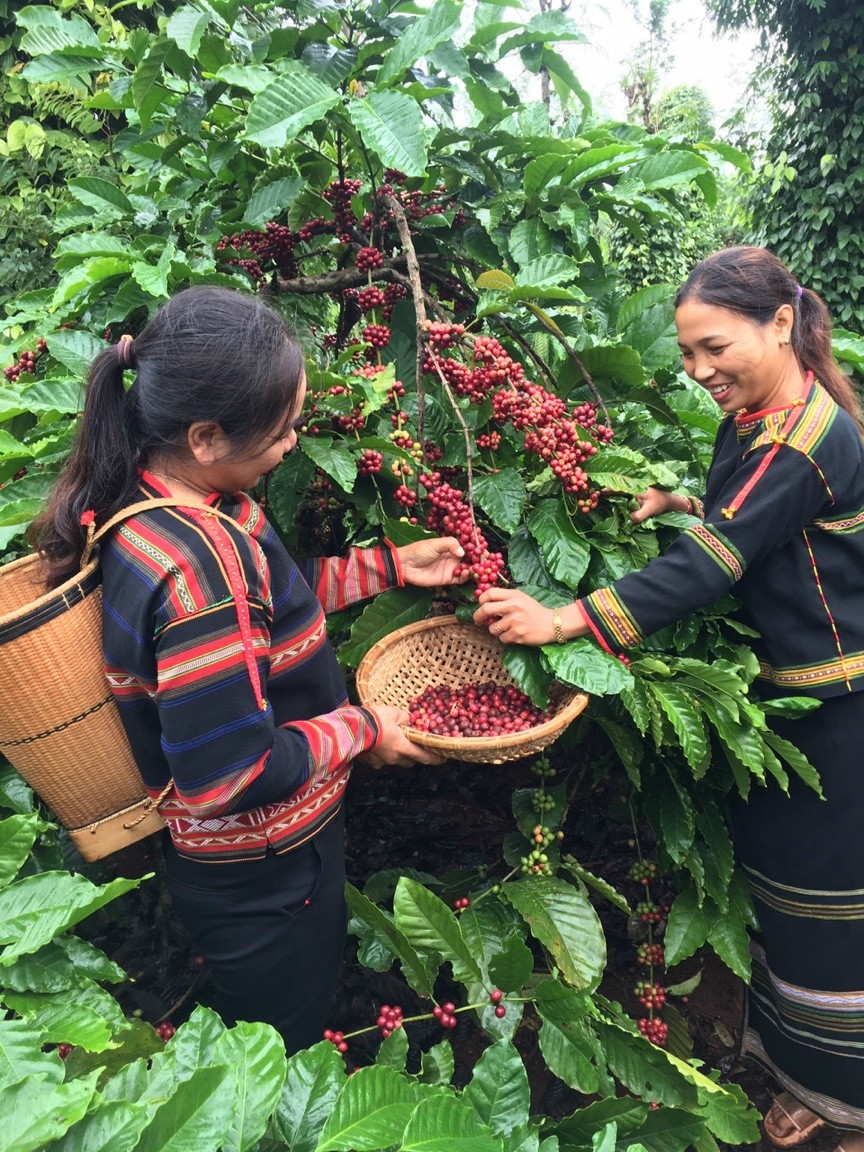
428 563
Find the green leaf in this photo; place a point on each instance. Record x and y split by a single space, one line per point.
17 836
446 1124
502 497
627 743
75 350
332 457
186 27
370 1112
526 667
430 926
420 38
36 1112
146 90
88 1018
495 279
391 125
563 920
646 1070
565 550
584 665
272 201
796 760
314 1080
597 883
34 910
256 1055
686 720
729 939
568 1051
387 612
614 362
49 32
293 102
687 928
499 1092
393 1052
114 1126
21 1055
511 968
438 1064
197 1115
101 194
418 975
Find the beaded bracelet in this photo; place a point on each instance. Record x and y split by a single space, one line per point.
560 638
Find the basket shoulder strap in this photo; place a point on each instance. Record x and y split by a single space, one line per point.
146 506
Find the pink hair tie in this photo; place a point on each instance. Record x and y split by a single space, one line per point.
125 351
799 291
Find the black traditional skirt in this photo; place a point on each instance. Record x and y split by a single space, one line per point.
804 859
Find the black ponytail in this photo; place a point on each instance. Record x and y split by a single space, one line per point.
754 283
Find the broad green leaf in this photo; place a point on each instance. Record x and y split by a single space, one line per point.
101 194
315 1078
430 926
563 920
21 1055
438 1064
416 972
597 883
502 497
293 102
580 1127
85 278
370 1112
194 1044
197 1115
511 968
541 172
613 362
153 278
115 1126
391 610
17 836
796 760
627 744
420 38
34 910
256 1055
715 833
666 169
186 27
495 279
391 125
147 91
49 32
272 201
568 1053
729 939
686 720
88 1018
36 1111
75 350
499 1092
526 667
393 1052
645 1069
554 269
677 823
789 705
53 396
332 457
565 550
730 1115
687 928
585 666
447 1124
493 932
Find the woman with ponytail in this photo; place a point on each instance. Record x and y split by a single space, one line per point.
216 646
782 527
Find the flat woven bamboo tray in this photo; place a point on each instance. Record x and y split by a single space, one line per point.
444 651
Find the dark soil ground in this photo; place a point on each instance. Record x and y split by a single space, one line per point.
448 821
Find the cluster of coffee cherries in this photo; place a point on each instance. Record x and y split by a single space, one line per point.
643 872
474 709
338 195
337 1039
165 1030
450 515
654 1029
389 1019
650 995
274 247
445 1014
461 903
26 363
649 912
496 996
650 954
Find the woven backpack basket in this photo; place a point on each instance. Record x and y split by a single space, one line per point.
59 726
443 651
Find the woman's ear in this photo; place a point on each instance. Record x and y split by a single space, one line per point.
784 322
207 441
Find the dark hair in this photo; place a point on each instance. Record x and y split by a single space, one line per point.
209 354
754 283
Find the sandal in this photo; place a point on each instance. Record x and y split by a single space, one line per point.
788 1123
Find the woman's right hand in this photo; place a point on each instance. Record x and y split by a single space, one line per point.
656 501
394 747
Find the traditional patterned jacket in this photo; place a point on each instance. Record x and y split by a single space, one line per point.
216 651
784 529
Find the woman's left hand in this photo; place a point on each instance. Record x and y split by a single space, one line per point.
514 617
428 563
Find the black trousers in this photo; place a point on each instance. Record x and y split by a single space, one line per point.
272 930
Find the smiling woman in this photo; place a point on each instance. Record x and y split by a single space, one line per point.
782 527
